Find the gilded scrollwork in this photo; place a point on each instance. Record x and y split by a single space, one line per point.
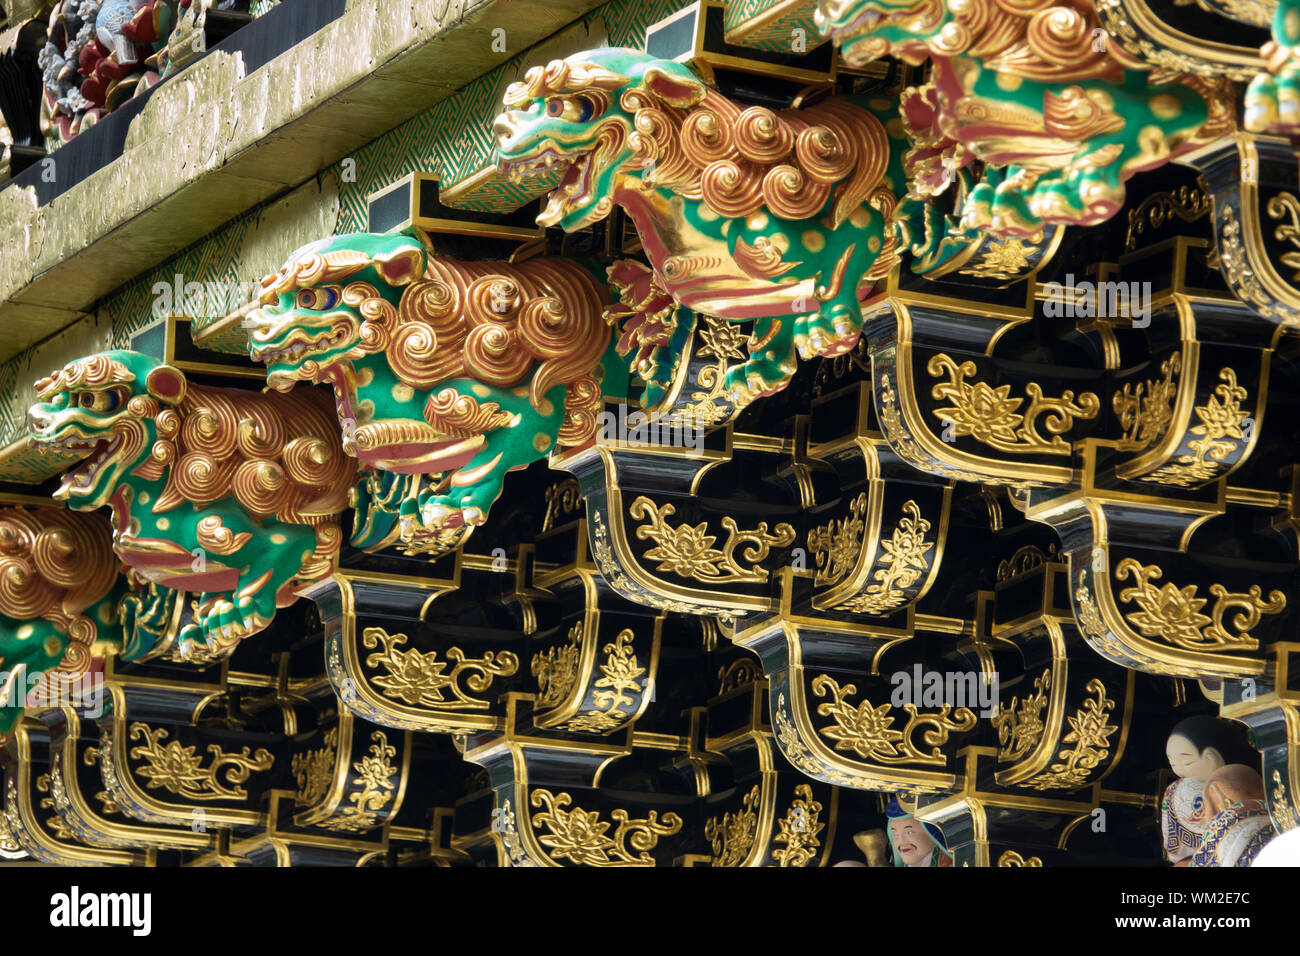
1146 410
179 769
991 415
1089 733
374 778
731 836
902 562
1285 205
1283 815
1019 724
688 550
417 678
556 669
1013 858
1219 435
581 837
867 730
799 829
314 769
836 544
620 674
1173 613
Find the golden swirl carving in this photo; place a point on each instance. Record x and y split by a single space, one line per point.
508 833
867 730
92 372
54 565
1003 259
556 669
799 829
732 835
1146 410
1020 724
991 415
459 416
417 678
1241 278
1024 560
1286 205
1089 736
1219 433
581 836
688 551
179 770
217 538
1188 203
1173 614
1012 858
902 562
57 799
740 672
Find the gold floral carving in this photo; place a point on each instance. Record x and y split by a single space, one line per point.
417 678
797 753
991 415
688 550
621 673
582 837
799 829
1012 858
556 669
179 770
1146 410
1019 724
721 340
1174 614
314 770
868 731
1286 205
732 835
1241 277
901 566
375 778
1003 259
1090 732
509 833
836 544
1221 418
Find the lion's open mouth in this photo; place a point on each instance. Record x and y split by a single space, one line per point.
298 348
573 189
102 451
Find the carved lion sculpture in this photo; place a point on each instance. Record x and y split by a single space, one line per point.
57 600
744 213
458 371
231 495
1033 86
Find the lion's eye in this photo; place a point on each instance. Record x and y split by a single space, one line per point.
317 300
106 401
574 110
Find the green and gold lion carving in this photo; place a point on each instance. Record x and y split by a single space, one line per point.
230 495
447 374
782 217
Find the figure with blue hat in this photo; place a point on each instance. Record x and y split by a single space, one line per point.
914 843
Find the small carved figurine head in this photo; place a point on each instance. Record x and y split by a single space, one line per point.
1199 746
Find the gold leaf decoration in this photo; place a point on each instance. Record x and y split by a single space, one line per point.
688 551
374 777
732 835
868 732
621 673
1012 858
835 545
1219 432
1174 614
902 563
1019 724
799 829
418 679
179 770
583 838
1145 410
1090 732
314 770
992 416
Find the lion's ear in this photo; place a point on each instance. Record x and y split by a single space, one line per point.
167 384
402 266
673 88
